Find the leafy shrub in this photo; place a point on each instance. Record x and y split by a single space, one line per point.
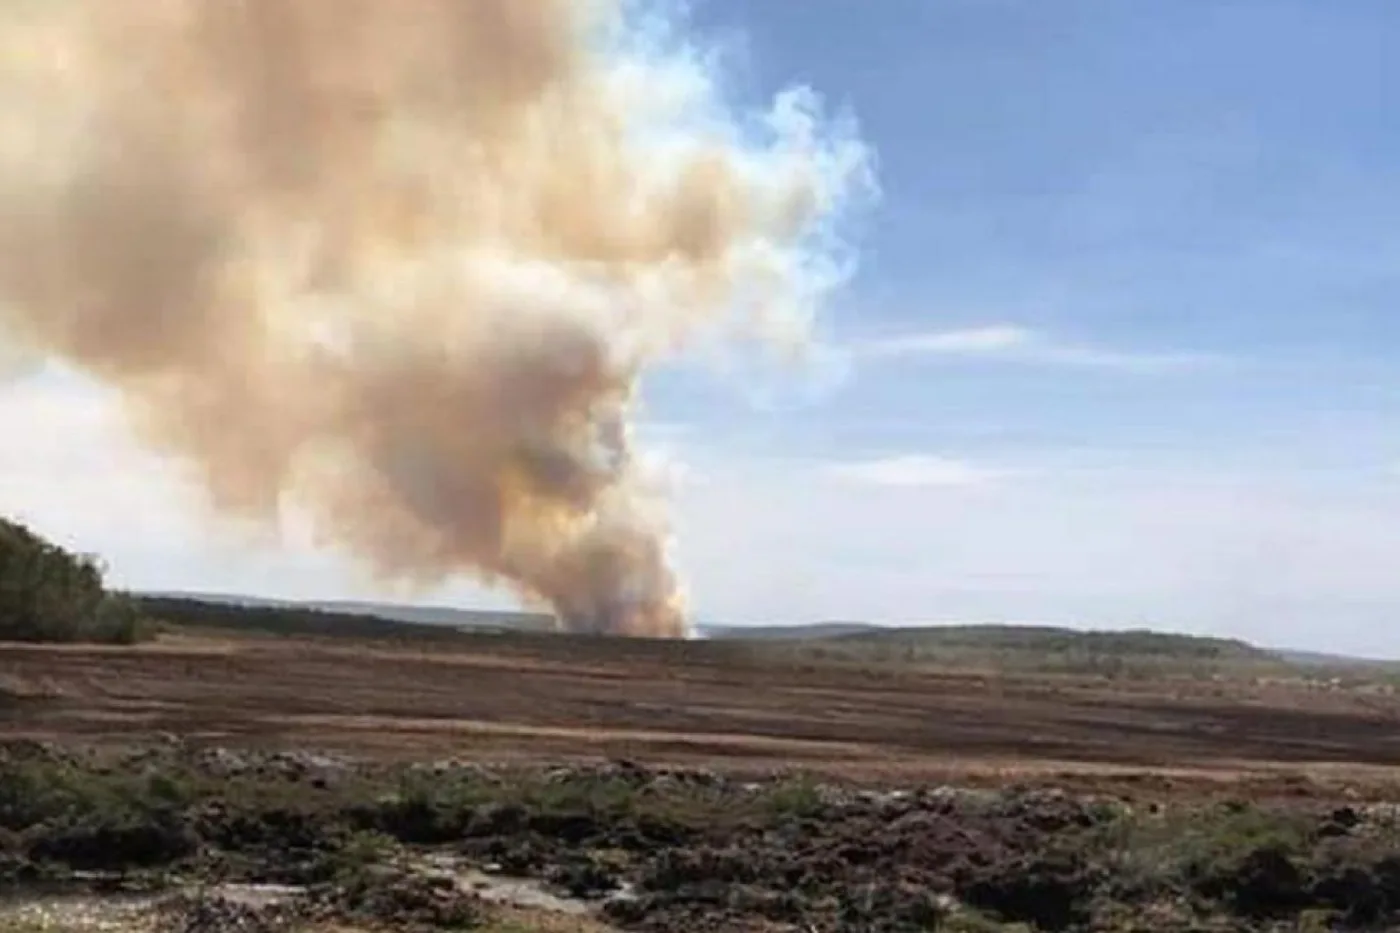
48 594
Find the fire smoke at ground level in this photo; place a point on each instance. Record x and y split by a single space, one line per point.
402 264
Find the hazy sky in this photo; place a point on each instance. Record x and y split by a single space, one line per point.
1121 349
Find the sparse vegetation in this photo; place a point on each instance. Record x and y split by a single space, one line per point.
1140 656
287 621
670 850
1010 649
49 594
653 850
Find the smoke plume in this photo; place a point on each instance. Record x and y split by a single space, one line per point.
401 263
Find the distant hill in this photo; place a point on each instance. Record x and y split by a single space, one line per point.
443 616
1001 637
1051 639
1320 659
787 632
1021 647
503 619
280 619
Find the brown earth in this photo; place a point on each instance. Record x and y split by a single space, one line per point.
719 706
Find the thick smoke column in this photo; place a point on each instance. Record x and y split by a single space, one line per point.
401 263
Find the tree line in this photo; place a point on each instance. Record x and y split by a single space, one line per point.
50 594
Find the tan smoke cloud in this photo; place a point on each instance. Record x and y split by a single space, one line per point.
401 262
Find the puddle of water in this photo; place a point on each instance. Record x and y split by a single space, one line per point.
515 892
79 914
504 891
71 912
256 896
121 913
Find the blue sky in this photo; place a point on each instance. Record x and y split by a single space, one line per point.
1121 348
1137 262
1146 178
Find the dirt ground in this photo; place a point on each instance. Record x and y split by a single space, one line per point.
549 699
551 783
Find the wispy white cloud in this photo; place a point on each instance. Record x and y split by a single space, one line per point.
993 339
914 470
1014 344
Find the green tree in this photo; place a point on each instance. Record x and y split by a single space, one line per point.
49 594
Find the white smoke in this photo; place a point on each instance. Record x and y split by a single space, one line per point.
402 263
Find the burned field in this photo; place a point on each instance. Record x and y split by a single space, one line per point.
727 704
541 783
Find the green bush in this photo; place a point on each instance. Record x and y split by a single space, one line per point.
48 594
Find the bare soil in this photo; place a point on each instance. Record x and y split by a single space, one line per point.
547 699
542 783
